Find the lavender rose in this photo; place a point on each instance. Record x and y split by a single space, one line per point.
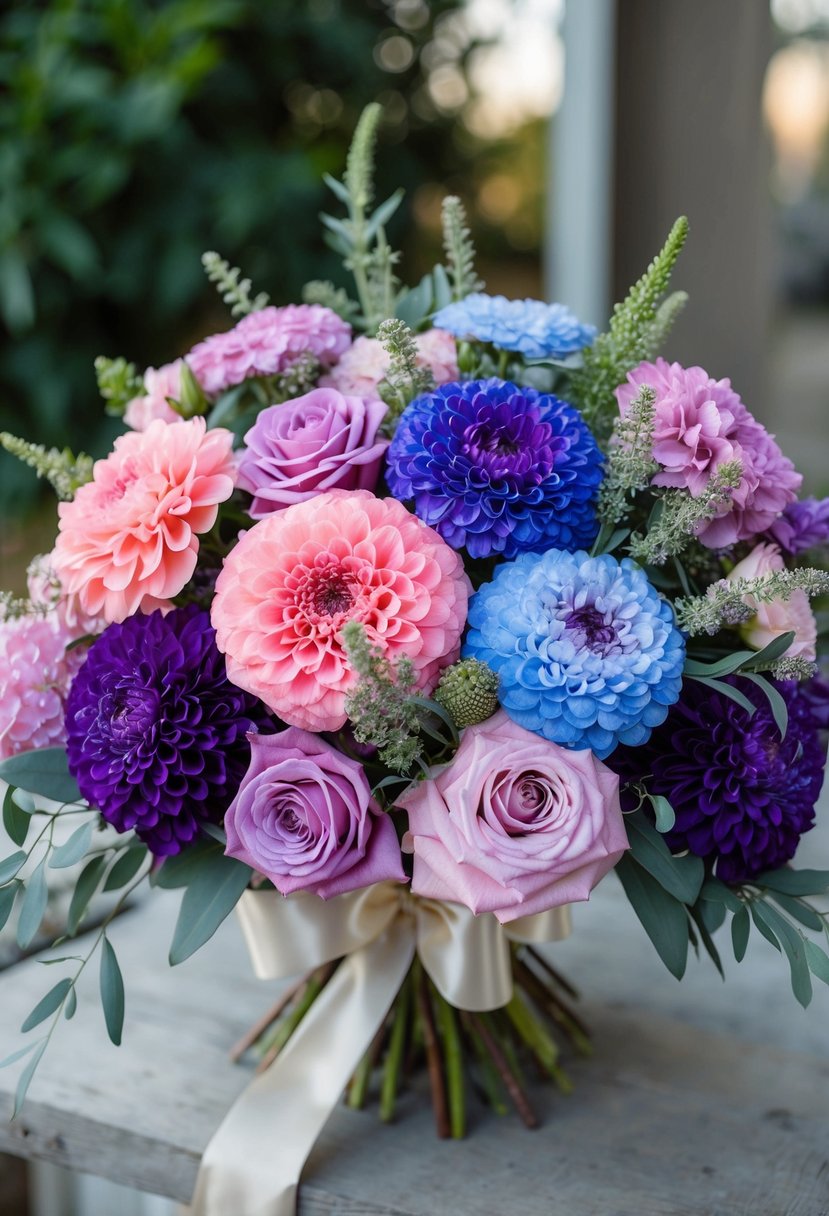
322 441
304 817
515 825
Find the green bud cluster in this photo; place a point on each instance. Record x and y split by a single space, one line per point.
468 691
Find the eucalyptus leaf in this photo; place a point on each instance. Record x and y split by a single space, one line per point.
125 867
7 897
210 897
47 1005
10 865
818 961
763 927
71 1005
33 906
85 888
725 666
44 771
795 882
793 945
112 992
663 918
26 1076
182 868
740 930
776 648
663 811
16 819
19 1054
716 890
713 914
215 833
779 708
728 690
798 911
74 849
681 877
707 940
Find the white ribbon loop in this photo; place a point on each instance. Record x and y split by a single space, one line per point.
252 1165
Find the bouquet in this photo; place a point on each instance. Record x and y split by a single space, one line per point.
398 620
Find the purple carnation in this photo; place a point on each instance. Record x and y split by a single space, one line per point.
803 525
156 733
497 468
742 796
267 342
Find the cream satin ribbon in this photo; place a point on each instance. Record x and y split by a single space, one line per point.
252 1165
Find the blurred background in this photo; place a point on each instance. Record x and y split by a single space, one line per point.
134 134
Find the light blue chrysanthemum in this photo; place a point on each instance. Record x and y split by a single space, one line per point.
586 650
530 327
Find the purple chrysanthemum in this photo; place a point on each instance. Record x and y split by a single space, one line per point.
497 468
803 525
156 733
743 796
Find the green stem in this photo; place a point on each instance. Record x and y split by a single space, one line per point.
491 1083
274 1043
394 1056
537 1039
453 1058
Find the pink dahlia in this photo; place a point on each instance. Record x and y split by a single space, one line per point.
35 673
159 384
366 363
128 540
701 424
293 581
266 342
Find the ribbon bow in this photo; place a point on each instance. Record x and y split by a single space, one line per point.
252 1165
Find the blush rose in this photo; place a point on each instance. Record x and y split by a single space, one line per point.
515 825
304 817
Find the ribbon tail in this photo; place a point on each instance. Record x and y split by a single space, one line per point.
252 1165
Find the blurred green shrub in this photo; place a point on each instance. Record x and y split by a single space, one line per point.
134 134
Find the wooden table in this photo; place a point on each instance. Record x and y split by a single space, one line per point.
702 1099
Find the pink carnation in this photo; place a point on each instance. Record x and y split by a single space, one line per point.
366 363
701 424
35 673
159 384
266 342
128 540
293 581
515 825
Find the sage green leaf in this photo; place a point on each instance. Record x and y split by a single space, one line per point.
125 867
728 690
779 708
210 897
73 849
664 812
112 992
712 913
71 1005
85 888
7 897
19 1054
663 918
26 1076
33 906
713 889
44 771
10 865
49 1003
818 961
16 820
793 944
180 869
798 911
795 882
740 930
707 941
682 877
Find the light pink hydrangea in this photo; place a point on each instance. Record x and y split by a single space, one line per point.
701 424
266 342
366 363
47 592
159 384
128 540
772 620
35 673
295 579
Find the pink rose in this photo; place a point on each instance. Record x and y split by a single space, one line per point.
159 384
772 620
322 441
515 825
304 817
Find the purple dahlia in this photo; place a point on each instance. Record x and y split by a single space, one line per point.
156 733
743 796
497 468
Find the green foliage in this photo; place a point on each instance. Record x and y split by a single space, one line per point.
459 249
64 471
213 892
630 462
637 327
234 290
321 291
674 525
44 771
468 691
381 705
118 383
406 378
725 601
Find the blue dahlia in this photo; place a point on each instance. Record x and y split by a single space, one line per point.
156 733
586 650
497 468
743 796
530 327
